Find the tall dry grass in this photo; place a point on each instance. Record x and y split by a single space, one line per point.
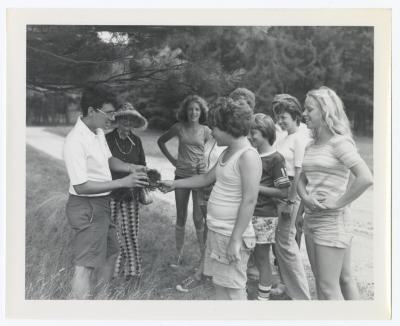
48 268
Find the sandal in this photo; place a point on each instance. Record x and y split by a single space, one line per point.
188 284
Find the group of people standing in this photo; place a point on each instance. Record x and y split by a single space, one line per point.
257 182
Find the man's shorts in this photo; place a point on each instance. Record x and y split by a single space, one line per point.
95 236
264 228
216 264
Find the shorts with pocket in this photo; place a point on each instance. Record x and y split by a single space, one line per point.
216 264
265 228
95 236
330 228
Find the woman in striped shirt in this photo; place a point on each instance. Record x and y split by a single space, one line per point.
326 193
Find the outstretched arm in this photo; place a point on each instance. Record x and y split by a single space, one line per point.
197 181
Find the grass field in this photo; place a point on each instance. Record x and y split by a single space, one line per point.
48 256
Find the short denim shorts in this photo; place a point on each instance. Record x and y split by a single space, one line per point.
216 264
95 236
330 228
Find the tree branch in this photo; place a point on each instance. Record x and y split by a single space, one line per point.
151 73
51 87
70 60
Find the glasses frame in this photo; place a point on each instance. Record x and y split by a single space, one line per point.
109 115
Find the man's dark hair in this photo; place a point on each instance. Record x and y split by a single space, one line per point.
95 97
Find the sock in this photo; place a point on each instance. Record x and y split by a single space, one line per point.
263 292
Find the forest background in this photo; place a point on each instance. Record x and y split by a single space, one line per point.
155 67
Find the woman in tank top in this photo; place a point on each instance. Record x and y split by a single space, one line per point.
192 135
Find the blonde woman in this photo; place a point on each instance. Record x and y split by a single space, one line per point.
326 193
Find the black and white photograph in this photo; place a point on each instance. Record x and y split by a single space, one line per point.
201 162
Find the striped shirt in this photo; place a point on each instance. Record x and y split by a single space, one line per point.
327 166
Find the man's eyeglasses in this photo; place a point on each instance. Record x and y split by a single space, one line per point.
109 115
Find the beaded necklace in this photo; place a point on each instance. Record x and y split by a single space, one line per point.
120 149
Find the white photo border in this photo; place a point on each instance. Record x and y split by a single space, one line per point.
18 307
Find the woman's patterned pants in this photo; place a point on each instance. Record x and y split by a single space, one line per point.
125 215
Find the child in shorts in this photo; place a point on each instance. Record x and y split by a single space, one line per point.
274 185
237 175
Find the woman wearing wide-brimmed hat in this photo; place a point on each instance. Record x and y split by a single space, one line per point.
127 146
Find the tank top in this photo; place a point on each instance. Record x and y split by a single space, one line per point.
226 196
191 151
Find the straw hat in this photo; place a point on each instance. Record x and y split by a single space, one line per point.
127 111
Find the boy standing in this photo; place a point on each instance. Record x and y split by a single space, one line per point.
274 185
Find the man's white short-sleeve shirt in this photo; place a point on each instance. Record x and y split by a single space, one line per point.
86 157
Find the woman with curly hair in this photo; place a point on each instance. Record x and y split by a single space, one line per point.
326 192
192 134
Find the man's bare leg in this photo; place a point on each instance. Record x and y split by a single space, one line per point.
81 283
105 272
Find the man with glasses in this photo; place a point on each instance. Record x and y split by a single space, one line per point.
89 161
